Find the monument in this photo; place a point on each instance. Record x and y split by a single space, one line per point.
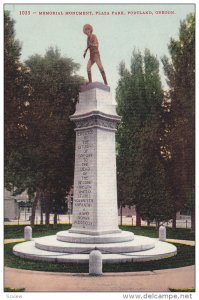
95 189
95 210
95 213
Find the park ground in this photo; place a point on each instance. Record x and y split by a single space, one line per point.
150 280
147 281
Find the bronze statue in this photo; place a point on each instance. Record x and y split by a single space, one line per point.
92 45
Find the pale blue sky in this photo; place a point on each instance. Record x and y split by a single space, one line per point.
118 35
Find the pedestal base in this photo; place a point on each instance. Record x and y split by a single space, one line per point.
50 249
50 243
93 232
112 237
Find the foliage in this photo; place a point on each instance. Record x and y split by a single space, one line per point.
179 116
16 93
55 93
141 174
40 95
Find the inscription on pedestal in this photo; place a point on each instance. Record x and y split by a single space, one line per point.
84 181
95 188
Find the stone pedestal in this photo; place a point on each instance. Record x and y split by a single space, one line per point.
95 209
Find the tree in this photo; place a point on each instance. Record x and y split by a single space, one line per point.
13 80
55 89
16 94
40 95
141 174
179 139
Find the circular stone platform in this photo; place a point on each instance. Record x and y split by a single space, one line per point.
50 249
50 243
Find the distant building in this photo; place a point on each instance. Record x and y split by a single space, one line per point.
11 207
127 211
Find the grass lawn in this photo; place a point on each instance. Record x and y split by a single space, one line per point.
178 233
185 257
182 290
17 231
8 289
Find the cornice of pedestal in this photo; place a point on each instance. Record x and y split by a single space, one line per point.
95 108
96 120
95 113
94 85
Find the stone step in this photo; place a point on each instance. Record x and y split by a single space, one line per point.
29 251
123 236
50 243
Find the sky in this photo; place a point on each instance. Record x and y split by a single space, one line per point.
118 34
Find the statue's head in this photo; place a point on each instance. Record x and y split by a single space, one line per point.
87 29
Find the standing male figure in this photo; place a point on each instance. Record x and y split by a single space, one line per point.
92 45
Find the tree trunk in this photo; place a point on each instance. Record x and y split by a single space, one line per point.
157 224
138 218
55 219
174 221
34 206
121 215
41 216
47 218
193 220
148 223
47 209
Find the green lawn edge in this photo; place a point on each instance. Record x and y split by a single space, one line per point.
182 290
185 257
8 290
